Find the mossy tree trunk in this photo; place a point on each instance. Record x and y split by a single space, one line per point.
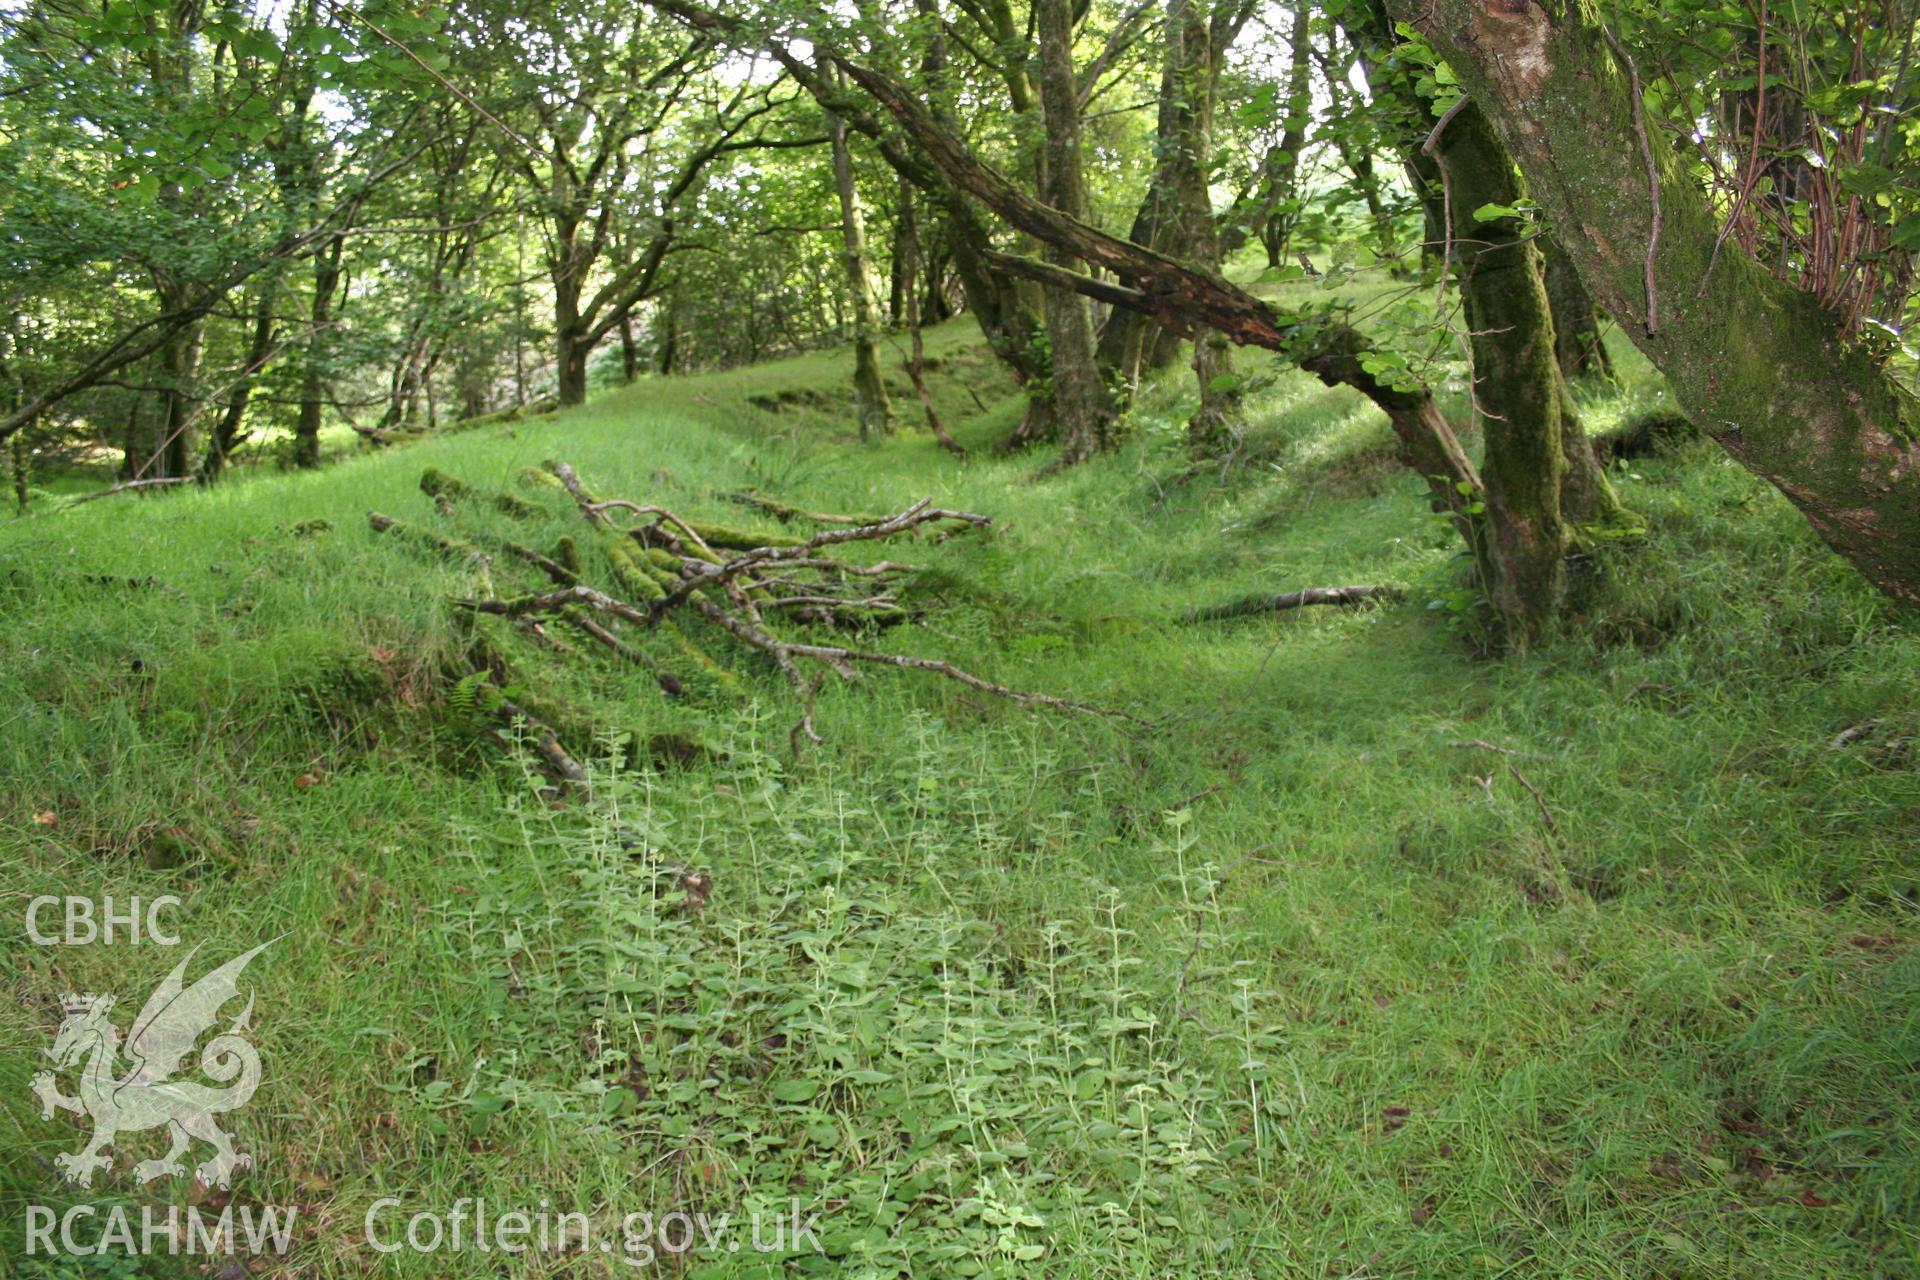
1541 475
1755 361
1576 323
870 390
1543 479
179 369
1196 44
1516 384
1081 404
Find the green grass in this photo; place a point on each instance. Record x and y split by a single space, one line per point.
1287 982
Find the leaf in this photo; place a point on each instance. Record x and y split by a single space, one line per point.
1492 212
795 1090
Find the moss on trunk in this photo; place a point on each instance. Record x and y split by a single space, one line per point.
1753 360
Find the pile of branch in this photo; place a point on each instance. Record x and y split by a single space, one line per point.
641 570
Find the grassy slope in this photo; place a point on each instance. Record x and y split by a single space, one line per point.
1288 984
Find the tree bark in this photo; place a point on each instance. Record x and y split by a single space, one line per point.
629 351
22 475
870 390
1276 211
179 369
1188 90
1576 324
907 250
571 345
1081 404
226 433
1516 384
313 382
1755 361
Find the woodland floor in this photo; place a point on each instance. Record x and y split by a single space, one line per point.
1287 983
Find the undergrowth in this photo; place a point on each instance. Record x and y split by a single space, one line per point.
1363 956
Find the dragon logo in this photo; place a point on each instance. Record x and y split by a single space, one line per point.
174 1017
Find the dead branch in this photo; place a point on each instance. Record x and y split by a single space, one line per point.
128 486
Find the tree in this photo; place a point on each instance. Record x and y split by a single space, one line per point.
1083 409
870 389
1784 381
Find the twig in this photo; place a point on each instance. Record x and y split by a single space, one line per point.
1481 744
785 512
1653 175
588 508
1546 816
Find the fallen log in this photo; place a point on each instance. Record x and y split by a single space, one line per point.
1249 605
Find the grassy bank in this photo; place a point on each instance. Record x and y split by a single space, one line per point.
1301 977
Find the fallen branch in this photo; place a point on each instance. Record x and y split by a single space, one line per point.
546 744
1250 605
128 486
784 513
1546 815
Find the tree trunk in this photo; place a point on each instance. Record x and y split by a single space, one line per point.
1516 385
907 249
226 433
22 476
1275 212
571 341
313 382
1188 90
1576 325
668 351
1754 361
870 390
1081 405
179 368
629 351
570 355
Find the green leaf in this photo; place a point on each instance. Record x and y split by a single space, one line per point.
795 1090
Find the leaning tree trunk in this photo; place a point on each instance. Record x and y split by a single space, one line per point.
1576 324
870 390
1754 361
1079 393
226 433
